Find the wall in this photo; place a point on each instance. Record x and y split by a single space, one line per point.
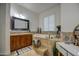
33 17
55 10
4 29
69 16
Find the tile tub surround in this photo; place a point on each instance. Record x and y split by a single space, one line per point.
48 40
68 34
44 36
49 36
50 44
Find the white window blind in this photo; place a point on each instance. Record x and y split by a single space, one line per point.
49 23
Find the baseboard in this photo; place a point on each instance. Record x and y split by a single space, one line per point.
4 54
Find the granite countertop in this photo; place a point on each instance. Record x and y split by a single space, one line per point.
74 50
19 33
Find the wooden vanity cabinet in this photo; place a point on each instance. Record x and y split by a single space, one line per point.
20 41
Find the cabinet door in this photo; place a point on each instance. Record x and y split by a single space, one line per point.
17 42
29 39
26 41
22 41
13 43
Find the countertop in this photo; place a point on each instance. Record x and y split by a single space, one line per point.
74 50
19 33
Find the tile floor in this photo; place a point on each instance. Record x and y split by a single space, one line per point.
21 51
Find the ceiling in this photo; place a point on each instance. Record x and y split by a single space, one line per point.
38 7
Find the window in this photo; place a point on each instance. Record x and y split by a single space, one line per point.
49 23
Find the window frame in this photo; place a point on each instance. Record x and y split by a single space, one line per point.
48 23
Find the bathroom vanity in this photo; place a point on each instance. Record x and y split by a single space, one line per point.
67 49
20 40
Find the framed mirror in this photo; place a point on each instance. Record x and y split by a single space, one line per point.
19 24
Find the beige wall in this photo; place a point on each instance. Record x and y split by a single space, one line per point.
53 10
36 20
4 29
69 16
33 17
